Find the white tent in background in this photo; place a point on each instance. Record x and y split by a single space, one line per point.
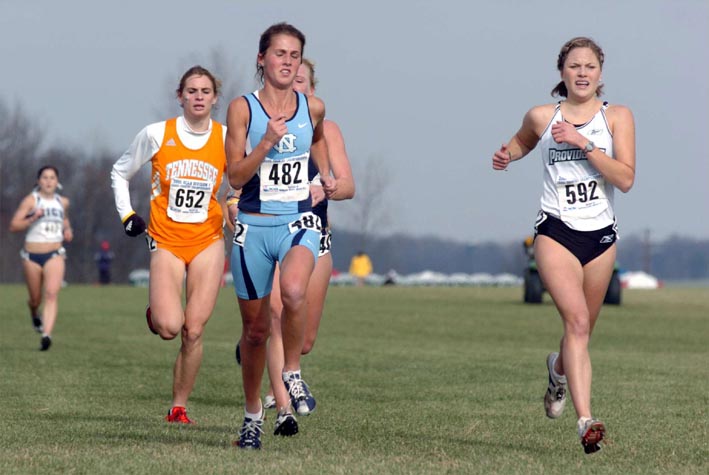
639 280
431 278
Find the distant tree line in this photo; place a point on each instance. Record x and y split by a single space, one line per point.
676 258
86 182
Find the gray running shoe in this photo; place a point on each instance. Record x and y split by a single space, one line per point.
555 397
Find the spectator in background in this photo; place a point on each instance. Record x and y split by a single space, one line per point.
103 259
391 277
360 267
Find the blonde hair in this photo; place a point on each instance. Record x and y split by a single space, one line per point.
311 66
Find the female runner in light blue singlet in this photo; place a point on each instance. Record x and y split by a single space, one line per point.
272 135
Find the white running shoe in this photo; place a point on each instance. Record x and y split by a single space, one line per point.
269 402
591 432
555 397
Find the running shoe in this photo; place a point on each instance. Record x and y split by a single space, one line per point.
286 424
555 397
269 402
250 435
37 323
45 343
591 432
300 395
178 414
149 318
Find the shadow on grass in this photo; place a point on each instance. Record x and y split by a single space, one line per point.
121 430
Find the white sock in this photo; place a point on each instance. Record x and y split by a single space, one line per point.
254 417
287 374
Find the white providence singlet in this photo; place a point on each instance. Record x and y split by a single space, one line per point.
49 227
573 189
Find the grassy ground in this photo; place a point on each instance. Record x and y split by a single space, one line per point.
408 380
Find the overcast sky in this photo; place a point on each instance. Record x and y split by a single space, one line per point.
430 88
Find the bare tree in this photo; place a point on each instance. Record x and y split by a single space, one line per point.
369 210
20 144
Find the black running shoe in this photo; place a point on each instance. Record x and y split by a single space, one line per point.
45 343
250 435
286 424
37 323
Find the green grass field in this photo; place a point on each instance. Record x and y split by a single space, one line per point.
408 380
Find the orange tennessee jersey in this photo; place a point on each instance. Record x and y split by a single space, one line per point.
184 210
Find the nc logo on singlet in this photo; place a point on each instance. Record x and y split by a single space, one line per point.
287 144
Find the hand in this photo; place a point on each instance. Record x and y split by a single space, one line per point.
275 130
232 213
501 158
563 132
329 185
35 214
317 195
134 225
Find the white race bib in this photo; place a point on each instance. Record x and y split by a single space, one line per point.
285 180
188 200
325 243
582 199
240 230
306 221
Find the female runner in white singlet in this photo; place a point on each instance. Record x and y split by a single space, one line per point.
43 214
588 150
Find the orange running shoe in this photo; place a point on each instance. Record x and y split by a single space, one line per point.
591 432
149 318
178 414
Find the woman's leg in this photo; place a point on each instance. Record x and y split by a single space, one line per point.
204 276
